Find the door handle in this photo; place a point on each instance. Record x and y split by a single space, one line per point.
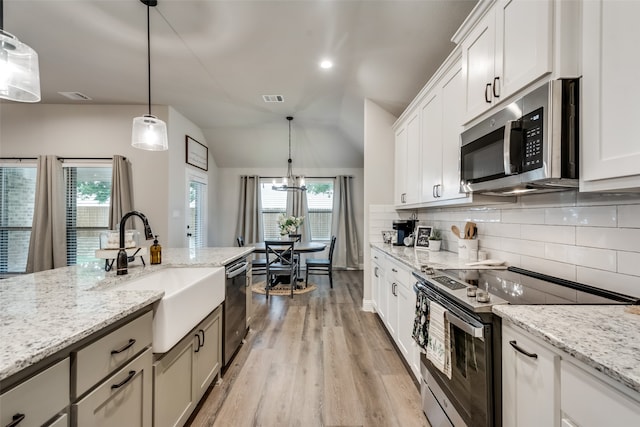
506 149
515 345
199 344
486 93
125 347
496 80
124 381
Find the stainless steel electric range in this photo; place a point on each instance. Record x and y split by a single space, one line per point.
473 394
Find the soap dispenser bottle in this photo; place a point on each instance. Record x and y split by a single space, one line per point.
156 252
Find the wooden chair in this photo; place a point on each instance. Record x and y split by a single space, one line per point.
297 238
258 265
322 266
281 261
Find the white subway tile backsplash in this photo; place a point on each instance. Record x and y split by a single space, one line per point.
549 233
523 216
560 198
617 282
598 216
602 259
629 263
523 247
546 266
629 216
624 239
499 230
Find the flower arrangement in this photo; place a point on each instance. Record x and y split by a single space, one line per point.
289 224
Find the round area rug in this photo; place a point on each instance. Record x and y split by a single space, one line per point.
285 290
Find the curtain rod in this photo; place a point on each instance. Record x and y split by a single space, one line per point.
59 158
305 177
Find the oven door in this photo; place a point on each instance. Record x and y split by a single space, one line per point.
470 389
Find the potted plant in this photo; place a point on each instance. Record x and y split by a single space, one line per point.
289 224
435 240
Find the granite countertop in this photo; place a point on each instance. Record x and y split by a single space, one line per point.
440 260
605 337
44 313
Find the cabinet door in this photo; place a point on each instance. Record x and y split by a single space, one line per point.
208 357
610 94
400 166
406 313
173 386
431 116
249 295
412 162
478 66
452 118
382 297
523 44
392 307
530 384
124 399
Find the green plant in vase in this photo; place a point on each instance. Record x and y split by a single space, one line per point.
435 240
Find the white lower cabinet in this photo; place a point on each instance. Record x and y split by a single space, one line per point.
530 383
544 386
182 375
123 399
37 400
588 401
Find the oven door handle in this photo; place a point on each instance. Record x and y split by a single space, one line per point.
476 332
237 269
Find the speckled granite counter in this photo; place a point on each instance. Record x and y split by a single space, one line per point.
44 313
414 259
604 337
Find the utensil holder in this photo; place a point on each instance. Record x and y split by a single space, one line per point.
467 247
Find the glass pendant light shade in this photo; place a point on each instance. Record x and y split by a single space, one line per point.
149 133
19 71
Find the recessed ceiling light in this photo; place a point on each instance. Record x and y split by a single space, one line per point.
326 64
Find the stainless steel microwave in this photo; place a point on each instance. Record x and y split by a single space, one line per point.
531 145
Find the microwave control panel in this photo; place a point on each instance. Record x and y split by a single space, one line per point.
532 135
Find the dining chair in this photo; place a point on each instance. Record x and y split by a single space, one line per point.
322 266
258 265
280 262
297 238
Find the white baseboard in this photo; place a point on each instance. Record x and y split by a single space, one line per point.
367 305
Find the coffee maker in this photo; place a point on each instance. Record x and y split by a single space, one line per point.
404 228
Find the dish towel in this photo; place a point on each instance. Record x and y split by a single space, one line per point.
421 322
439 343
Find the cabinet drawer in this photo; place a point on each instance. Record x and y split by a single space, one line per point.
104 356
588 401
39 398
124 399
400 273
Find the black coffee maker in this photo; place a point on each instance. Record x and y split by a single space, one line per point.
404 228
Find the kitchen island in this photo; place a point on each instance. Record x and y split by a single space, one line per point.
44 313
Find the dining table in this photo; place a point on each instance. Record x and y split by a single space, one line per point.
299 247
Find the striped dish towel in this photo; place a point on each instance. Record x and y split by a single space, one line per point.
439 344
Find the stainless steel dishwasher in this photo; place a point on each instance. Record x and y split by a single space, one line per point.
235 308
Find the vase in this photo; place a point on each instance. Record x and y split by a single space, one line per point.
434 245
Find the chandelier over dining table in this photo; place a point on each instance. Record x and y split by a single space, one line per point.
289 181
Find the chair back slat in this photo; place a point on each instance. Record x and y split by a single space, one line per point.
240 241
332 247
280 252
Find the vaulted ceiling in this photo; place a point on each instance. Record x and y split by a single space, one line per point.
212 60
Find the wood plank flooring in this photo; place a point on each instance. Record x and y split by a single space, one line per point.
314 360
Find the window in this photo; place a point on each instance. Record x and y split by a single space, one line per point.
197 210
320 204
17 198
274 203
88 197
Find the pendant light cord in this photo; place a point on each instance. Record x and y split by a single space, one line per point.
148 55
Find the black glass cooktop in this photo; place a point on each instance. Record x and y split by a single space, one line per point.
519 286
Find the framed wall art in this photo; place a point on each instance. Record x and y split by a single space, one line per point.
197 154
422 237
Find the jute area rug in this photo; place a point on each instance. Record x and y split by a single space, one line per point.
285 290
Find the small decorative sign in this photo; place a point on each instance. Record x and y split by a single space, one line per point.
197 154
422 237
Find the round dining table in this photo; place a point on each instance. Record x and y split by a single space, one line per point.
301 247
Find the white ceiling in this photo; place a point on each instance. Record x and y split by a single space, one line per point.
212 60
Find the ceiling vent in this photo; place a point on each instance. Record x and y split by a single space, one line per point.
273 98
76 96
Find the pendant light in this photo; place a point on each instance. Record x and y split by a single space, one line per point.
149 132
19 71
289 181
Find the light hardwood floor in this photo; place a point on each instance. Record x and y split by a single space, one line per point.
314 360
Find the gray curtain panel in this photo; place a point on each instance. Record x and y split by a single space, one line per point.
297 206
121 191
250 211
48 243
344 227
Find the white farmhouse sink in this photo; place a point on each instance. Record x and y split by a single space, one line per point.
190 294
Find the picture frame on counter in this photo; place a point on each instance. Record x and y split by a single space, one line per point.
197 154
422 235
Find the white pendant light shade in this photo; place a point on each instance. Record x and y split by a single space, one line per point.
19 71
149 133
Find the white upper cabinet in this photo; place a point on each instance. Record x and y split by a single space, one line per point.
407 161
610 152
431 141
400 167
509 48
